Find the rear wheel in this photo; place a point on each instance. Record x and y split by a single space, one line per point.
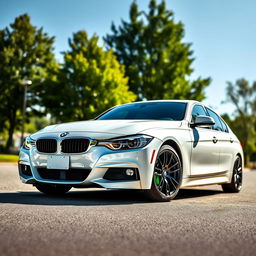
53 189
167 175
237 178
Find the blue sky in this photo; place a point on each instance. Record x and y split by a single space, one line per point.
222 32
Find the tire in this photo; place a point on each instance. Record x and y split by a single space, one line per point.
237 178
53 189
167 176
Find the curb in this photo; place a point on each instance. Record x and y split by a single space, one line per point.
8 163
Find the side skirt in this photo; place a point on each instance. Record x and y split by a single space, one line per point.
206 179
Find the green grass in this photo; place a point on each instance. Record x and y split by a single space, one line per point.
8 158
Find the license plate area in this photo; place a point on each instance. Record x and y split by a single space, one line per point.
58 162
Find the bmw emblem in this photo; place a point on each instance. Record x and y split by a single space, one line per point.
64 134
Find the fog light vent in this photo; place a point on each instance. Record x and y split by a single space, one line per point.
25 170
122 174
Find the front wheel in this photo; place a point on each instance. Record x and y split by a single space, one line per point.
167 176
53 189
237 178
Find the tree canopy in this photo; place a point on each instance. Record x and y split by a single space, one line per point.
157 61
26 53
90 81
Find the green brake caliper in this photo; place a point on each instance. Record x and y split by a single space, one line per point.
157 180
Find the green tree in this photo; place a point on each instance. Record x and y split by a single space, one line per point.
36 123
90 81
243 96
26 53
157 61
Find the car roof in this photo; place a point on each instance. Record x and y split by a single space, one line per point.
182 101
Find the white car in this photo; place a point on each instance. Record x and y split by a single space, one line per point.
155 146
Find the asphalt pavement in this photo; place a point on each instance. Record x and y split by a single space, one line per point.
200 221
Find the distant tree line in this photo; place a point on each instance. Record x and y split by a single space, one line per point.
243 122
143 58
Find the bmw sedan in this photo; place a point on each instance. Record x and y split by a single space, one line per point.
154 146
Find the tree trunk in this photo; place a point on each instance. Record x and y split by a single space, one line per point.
12 124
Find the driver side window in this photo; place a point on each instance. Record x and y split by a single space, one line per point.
198 110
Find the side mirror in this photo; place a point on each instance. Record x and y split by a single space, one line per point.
203 121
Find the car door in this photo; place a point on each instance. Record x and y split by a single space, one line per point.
227 150
205 151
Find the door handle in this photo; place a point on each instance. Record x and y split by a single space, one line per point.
231 140
214 139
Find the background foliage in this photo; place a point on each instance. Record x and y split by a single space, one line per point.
26 53
89 81
156 59
143 58
243 96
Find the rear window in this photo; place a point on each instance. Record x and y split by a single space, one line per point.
147 110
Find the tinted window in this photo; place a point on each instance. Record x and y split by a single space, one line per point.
147 110
225 127
217 125
198 111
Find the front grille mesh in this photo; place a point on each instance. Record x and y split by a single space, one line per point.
46 145
74 145
67 145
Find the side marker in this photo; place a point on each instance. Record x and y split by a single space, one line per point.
152 157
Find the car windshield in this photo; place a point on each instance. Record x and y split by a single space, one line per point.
147 110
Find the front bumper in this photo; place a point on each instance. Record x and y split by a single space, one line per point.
97 161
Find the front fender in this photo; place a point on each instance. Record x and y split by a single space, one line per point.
181 137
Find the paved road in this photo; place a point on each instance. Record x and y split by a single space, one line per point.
201 221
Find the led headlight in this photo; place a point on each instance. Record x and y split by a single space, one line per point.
131 142
29 143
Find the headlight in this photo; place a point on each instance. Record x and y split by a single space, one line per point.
131 142
29 143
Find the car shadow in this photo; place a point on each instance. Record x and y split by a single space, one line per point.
94 197
195 192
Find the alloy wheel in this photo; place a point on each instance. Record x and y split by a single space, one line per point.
238 174
167 172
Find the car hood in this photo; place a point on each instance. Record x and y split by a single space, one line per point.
106 128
